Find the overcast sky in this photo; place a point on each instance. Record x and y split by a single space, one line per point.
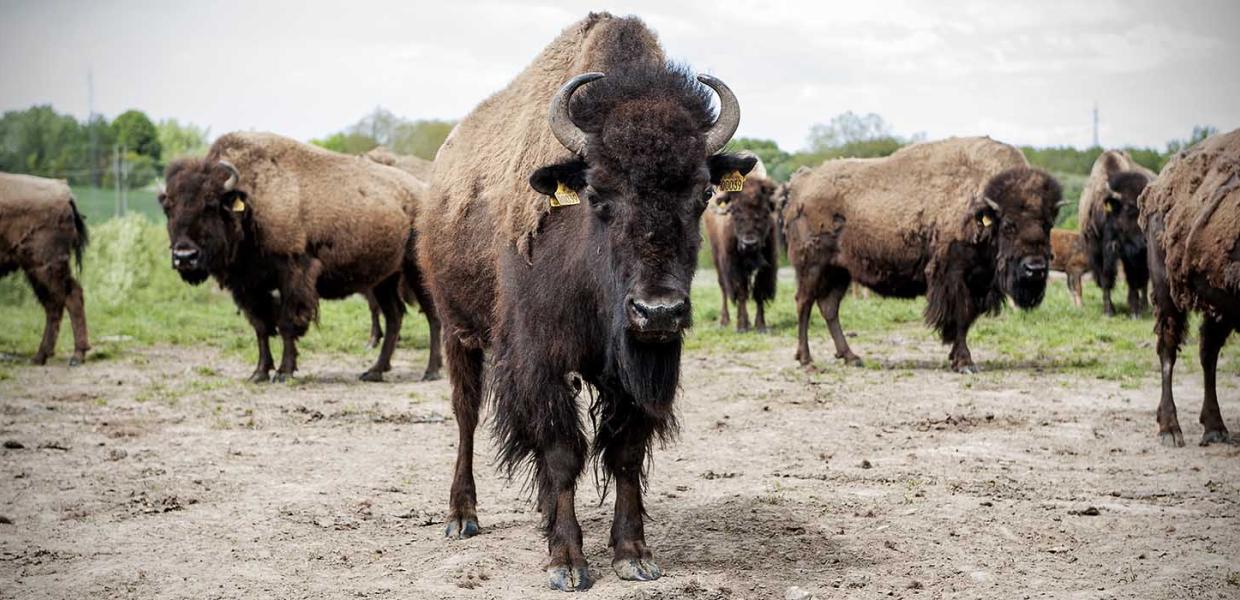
1022 72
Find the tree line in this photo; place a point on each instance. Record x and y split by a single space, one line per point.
40 141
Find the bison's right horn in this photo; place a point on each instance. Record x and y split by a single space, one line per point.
991 203
562 125
233 175
729 115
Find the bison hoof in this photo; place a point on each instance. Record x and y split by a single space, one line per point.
1171 439
1214 437
372 343
432 376
853 361
282 377
76 361
967 369
569 579
372 376
39 359
459 529
637 569
259 377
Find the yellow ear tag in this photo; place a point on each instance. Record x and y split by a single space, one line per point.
732 182
238 205
1106 206
986 221
564 196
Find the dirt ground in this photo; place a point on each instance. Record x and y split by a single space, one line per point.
150 476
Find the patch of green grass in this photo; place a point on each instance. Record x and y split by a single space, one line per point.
99 204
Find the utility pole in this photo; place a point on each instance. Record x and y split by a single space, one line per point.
1096 143
116 174
90 124
124 179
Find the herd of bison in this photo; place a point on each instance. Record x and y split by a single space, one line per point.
552 243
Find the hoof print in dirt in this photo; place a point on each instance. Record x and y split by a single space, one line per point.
459 529
569 579
637 569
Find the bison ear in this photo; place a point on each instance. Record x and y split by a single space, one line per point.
723 164
547 179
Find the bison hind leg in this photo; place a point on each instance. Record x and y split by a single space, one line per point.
1213 335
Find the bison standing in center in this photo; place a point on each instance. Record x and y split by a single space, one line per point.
567 245
963 221
1110 233
745 247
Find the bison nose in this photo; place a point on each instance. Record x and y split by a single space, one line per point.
184 255
667 314
747 242
1035 266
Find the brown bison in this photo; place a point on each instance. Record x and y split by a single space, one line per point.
564 241
962 221
1107 214
282 224
744 244
40 227
1068 257
1191 218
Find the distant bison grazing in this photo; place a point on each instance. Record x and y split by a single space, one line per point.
1068 257
1191 218
40 227
745 247
282 224
1107 214
584 278
963 221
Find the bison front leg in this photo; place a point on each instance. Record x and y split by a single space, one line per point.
805 309
1213 336
48 284
1106 274
962 359
558 464
830 309
299 304
260 310
742 308
624 438
759 321
76 306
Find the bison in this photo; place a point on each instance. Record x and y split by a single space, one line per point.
1068 257
282 224
962 221
1191 218
40 228
1107 214
564 242
744 245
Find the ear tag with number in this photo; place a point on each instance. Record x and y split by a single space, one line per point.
986 221
564 196
238 205
1106 206
732 182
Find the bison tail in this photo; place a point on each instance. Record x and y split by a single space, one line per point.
83 236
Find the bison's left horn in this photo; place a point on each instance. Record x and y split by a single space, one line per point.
233 176
991 203
729 115
562 125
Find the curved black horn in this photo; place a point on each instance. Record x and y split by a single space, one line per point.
562 125
729 115
233 175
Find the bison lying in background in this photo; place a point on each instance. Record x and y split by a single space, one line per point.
40 227
282 224
1107 215
1068 257
963 221
745 247
566 243
1191 218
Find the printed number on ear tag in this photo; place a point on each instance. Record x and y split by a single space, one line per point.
732 182
238 205
986 221
564 196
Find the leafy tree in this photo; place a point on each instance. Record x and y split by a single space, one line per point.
178 141
421 138
383 128
767 150
135 131
848 128
347 143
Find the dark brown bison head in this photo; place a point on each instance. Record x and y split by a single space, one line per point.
1120 211
1015 217
752 211
207 216
645 139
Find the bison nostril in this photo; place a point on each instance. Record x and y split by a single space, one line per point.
668 314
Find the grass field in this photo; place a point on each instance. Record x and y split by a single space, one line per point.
99 205
134 299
